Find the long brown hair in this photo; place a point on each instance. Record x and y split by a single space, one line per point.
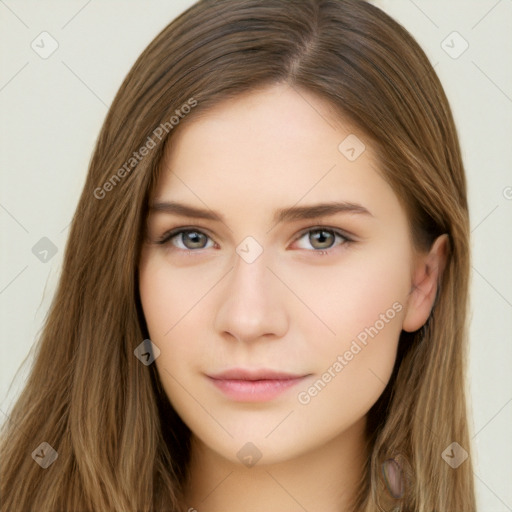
120 445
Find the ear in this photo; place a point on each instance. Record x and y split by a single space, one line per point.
426 279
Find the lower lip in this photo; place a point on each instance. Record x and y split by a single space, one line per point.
254 390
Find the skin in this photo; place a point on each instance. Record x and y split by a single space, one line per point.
292 309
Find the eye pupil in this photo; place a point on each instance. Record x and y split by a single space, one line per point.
321 235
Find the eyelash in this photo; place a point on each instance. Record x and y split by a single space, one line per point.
169 235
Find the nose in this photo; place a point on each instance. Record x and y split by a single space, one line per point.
252 303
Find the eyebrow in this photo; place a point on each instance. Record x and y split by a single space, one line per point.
290 214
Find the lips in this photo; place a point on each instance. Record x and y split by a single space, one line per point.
253 385
253 374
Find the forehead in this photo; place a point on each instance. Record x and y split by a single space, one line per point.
275 123
266 149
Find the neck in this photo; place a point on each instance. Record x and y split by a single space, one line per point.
326 478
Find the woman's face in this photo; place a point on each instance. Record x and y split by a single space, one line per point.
277 318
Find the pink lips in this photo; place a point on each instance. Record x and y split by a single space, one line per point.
253 385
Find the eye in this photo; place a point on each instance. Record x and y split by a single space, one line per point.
186 239
322 238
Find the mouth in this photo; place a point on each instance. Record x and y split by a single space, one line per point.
254 385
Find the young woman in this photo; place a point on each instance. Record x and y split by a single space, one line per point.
263 300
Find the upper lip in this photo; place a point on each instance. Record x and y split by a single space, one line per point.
253 374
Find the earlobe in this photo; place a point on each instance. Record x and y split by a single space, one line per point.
427 277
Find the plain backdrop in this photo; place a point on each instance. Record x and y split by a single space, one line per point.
52 110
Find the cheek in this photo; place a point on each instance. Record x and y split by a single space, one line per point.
352 370
167 296
366 288
171 302
363 302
